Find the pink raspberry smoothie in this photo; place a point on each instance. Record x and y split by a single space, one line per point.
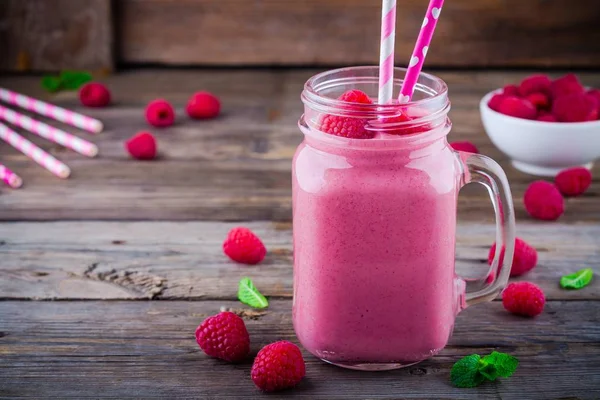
374 240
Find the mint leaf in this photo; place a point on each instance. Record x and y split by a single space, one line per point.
51 83
72 80
577 280
473 370
465 372
248 294
504 365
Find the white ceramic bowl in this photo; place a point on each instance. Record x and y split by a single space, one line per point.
541 148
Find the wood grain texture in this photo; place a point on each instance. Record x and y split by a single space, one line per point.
236 167
50 35
184 260
147 350
486 33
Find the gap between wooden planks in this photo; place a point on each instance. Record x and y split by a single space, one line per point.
184 260
147 350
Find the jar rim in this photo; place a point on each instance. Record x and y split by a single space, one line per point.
312 97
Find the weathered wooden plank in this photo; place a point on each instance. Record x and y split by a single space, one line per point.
50 35
183 260
234 168
346 32
147 350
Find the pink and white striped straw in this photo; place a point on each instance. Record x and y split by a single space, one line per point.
10 178
49 132
49 110
34 152
386 51
420 51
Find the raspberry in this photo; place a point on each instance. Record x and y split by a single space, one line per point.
537 83
495 101
355 96
510 90
243 246
539 100
543 201
160 113
573 181
575 108
516 107
142 146
547 117
348 127
568 84
278 366
203 105
224 336
94 94
525 258
523 298
464 146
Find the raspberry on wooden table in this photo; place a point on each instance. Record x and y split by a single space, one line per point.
523 298
278 366
243 246
160 113
94 94
573 181
543 201
142 146
524 260
203 105
224 336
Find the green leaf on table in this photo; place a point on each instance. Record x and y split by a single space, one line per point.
504 364
473 370
577 280
249 294
51 83
73 80
465 372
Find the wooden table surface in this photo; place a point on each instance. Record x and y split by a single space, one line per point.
121 230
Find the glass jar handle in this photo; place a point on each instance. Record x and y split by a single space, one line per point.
485 171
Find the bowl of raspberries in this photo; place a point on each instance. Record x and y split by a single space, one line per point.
544 125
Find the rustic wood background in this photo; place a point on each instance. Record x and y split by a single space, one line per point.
120 231
99 34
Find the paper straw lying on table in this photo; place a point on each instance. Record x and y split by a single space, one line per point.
10 178
420 51
49 132
51 111
386 52
35 153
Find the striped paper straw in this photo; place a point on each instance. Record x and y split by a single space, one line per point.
10 178
420 51
49 132
386 52
35 153
51 111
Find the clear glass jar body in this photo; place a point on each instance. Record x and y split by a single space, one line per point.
374 233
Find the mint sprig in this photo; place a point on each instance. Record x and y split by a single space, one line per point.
249 294
577 280
473 370
67 80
